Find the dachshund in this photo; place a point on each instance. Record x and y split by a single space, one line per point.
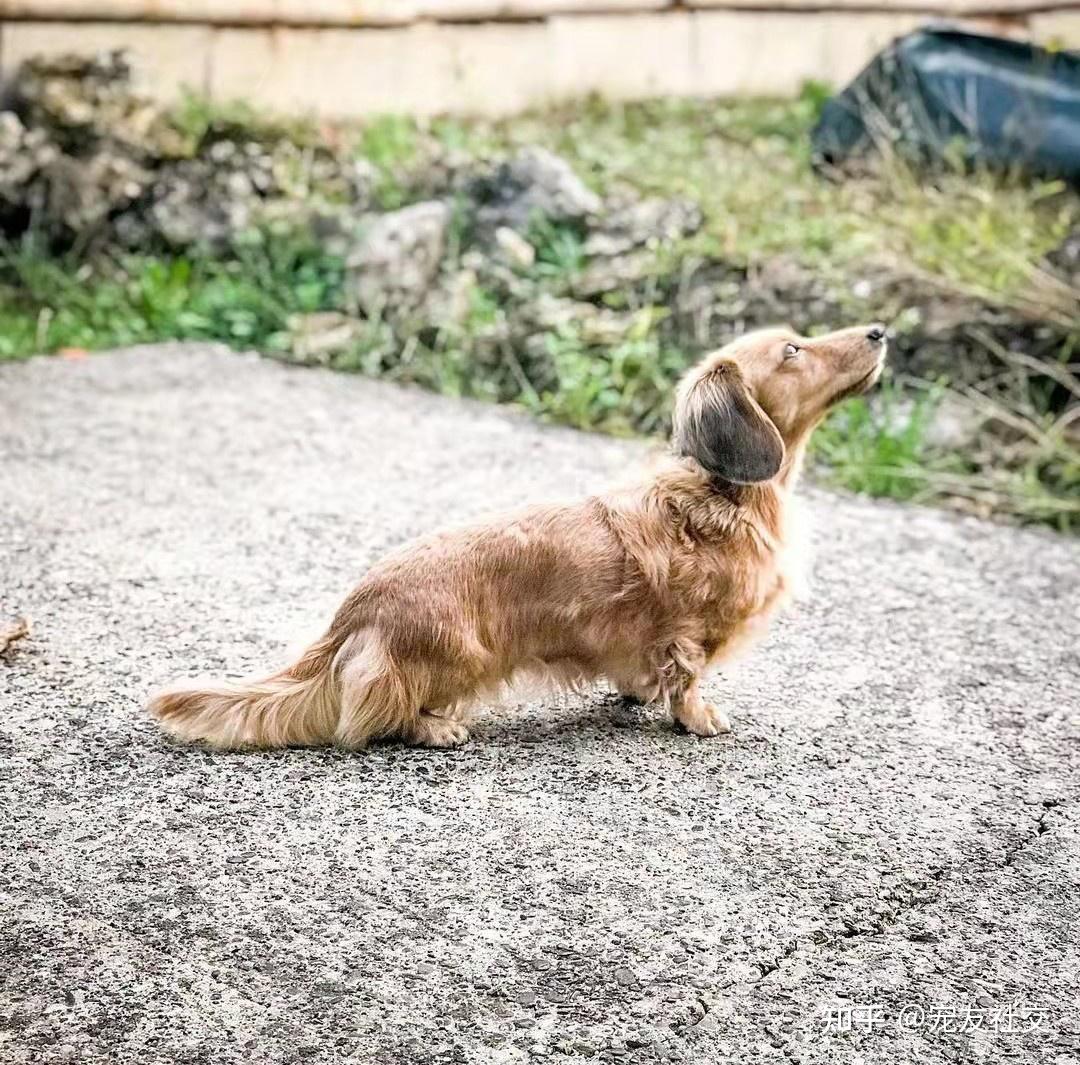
646 587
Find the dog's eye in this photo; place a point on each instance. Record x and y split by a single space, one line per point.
790 351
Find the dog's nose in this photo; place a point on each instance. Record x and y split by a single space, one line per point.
876 333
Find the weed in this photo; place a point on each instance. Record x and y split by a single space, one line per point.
197 118
389 143
881 449
245 299
560 250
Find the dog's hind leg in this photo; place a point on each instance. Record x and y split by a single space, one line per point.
434 730
377 699
382 699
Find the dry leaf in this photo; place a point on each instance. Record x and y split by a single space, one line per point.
12 631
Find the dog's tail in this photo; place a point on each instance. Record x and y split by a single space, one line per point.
296 707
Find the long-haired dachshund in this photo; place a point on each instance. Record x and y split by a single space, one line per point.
647 587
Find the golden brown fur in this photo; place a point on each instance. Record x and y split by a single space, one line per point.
647 587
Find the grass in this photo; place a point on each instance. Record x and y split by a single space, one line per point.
560 250
881 450
48 304
747 164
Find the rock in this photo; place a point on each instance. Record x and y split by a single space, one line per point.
535 184
554 313
23 153
450 303
237 184
84 102
606 274
208 201
595 325
515 250
85 192
397 258
319 336
84 149
62 192
651 221
955 425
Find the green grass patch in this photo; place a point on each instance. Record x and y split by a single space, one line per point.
881 449
245 300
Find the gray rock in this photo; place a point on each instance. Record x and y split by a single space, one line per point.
198 203
23 153
317 337
397 258
534 184
607 274
515 250
595 325
87 102
60 191
955 423
235 185
94 153
652 221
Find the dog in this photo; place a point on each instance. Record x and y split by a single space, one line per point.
647 587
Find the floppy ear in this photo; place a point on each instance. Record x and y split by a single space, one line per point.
720 424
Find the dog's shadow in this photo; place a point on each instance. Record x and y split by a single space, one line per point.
604 721
605 718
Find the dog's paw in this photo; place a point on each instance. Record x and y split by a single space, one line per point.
440 732
705 720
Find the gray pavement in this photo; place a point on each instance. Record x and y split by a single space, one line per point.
892 827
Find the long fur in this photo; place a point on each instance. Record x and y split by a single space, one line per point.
647 587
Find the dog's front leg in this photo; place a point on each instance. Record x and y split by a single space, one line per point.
678 670
696 715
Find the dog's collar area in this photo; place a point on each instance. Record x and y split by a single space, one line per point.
734 492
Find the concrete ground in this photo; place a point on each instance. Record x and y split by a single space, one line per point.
880 864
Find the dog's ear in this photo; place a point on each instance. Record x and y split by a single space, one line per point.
721 425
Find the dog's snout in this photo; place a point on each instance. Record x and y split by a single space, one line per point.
876 333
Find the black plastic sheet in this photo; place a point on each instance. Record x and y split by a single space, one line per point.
942 95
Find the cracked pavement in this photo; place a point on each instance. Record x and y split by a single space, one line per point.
891 828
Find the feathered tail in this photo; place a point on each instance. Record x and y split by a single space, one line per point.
297 707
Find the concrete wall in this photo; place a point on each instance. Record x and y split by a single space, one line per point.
341 58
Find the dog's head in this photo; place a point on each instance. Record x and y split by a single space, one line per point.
743 408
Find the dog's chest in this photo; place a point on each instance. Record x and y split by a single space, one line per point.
746 598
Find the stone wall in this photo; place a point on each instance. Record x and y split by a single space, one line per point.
342 58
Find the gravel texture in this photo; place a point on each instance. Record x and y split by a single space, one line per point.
892 827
